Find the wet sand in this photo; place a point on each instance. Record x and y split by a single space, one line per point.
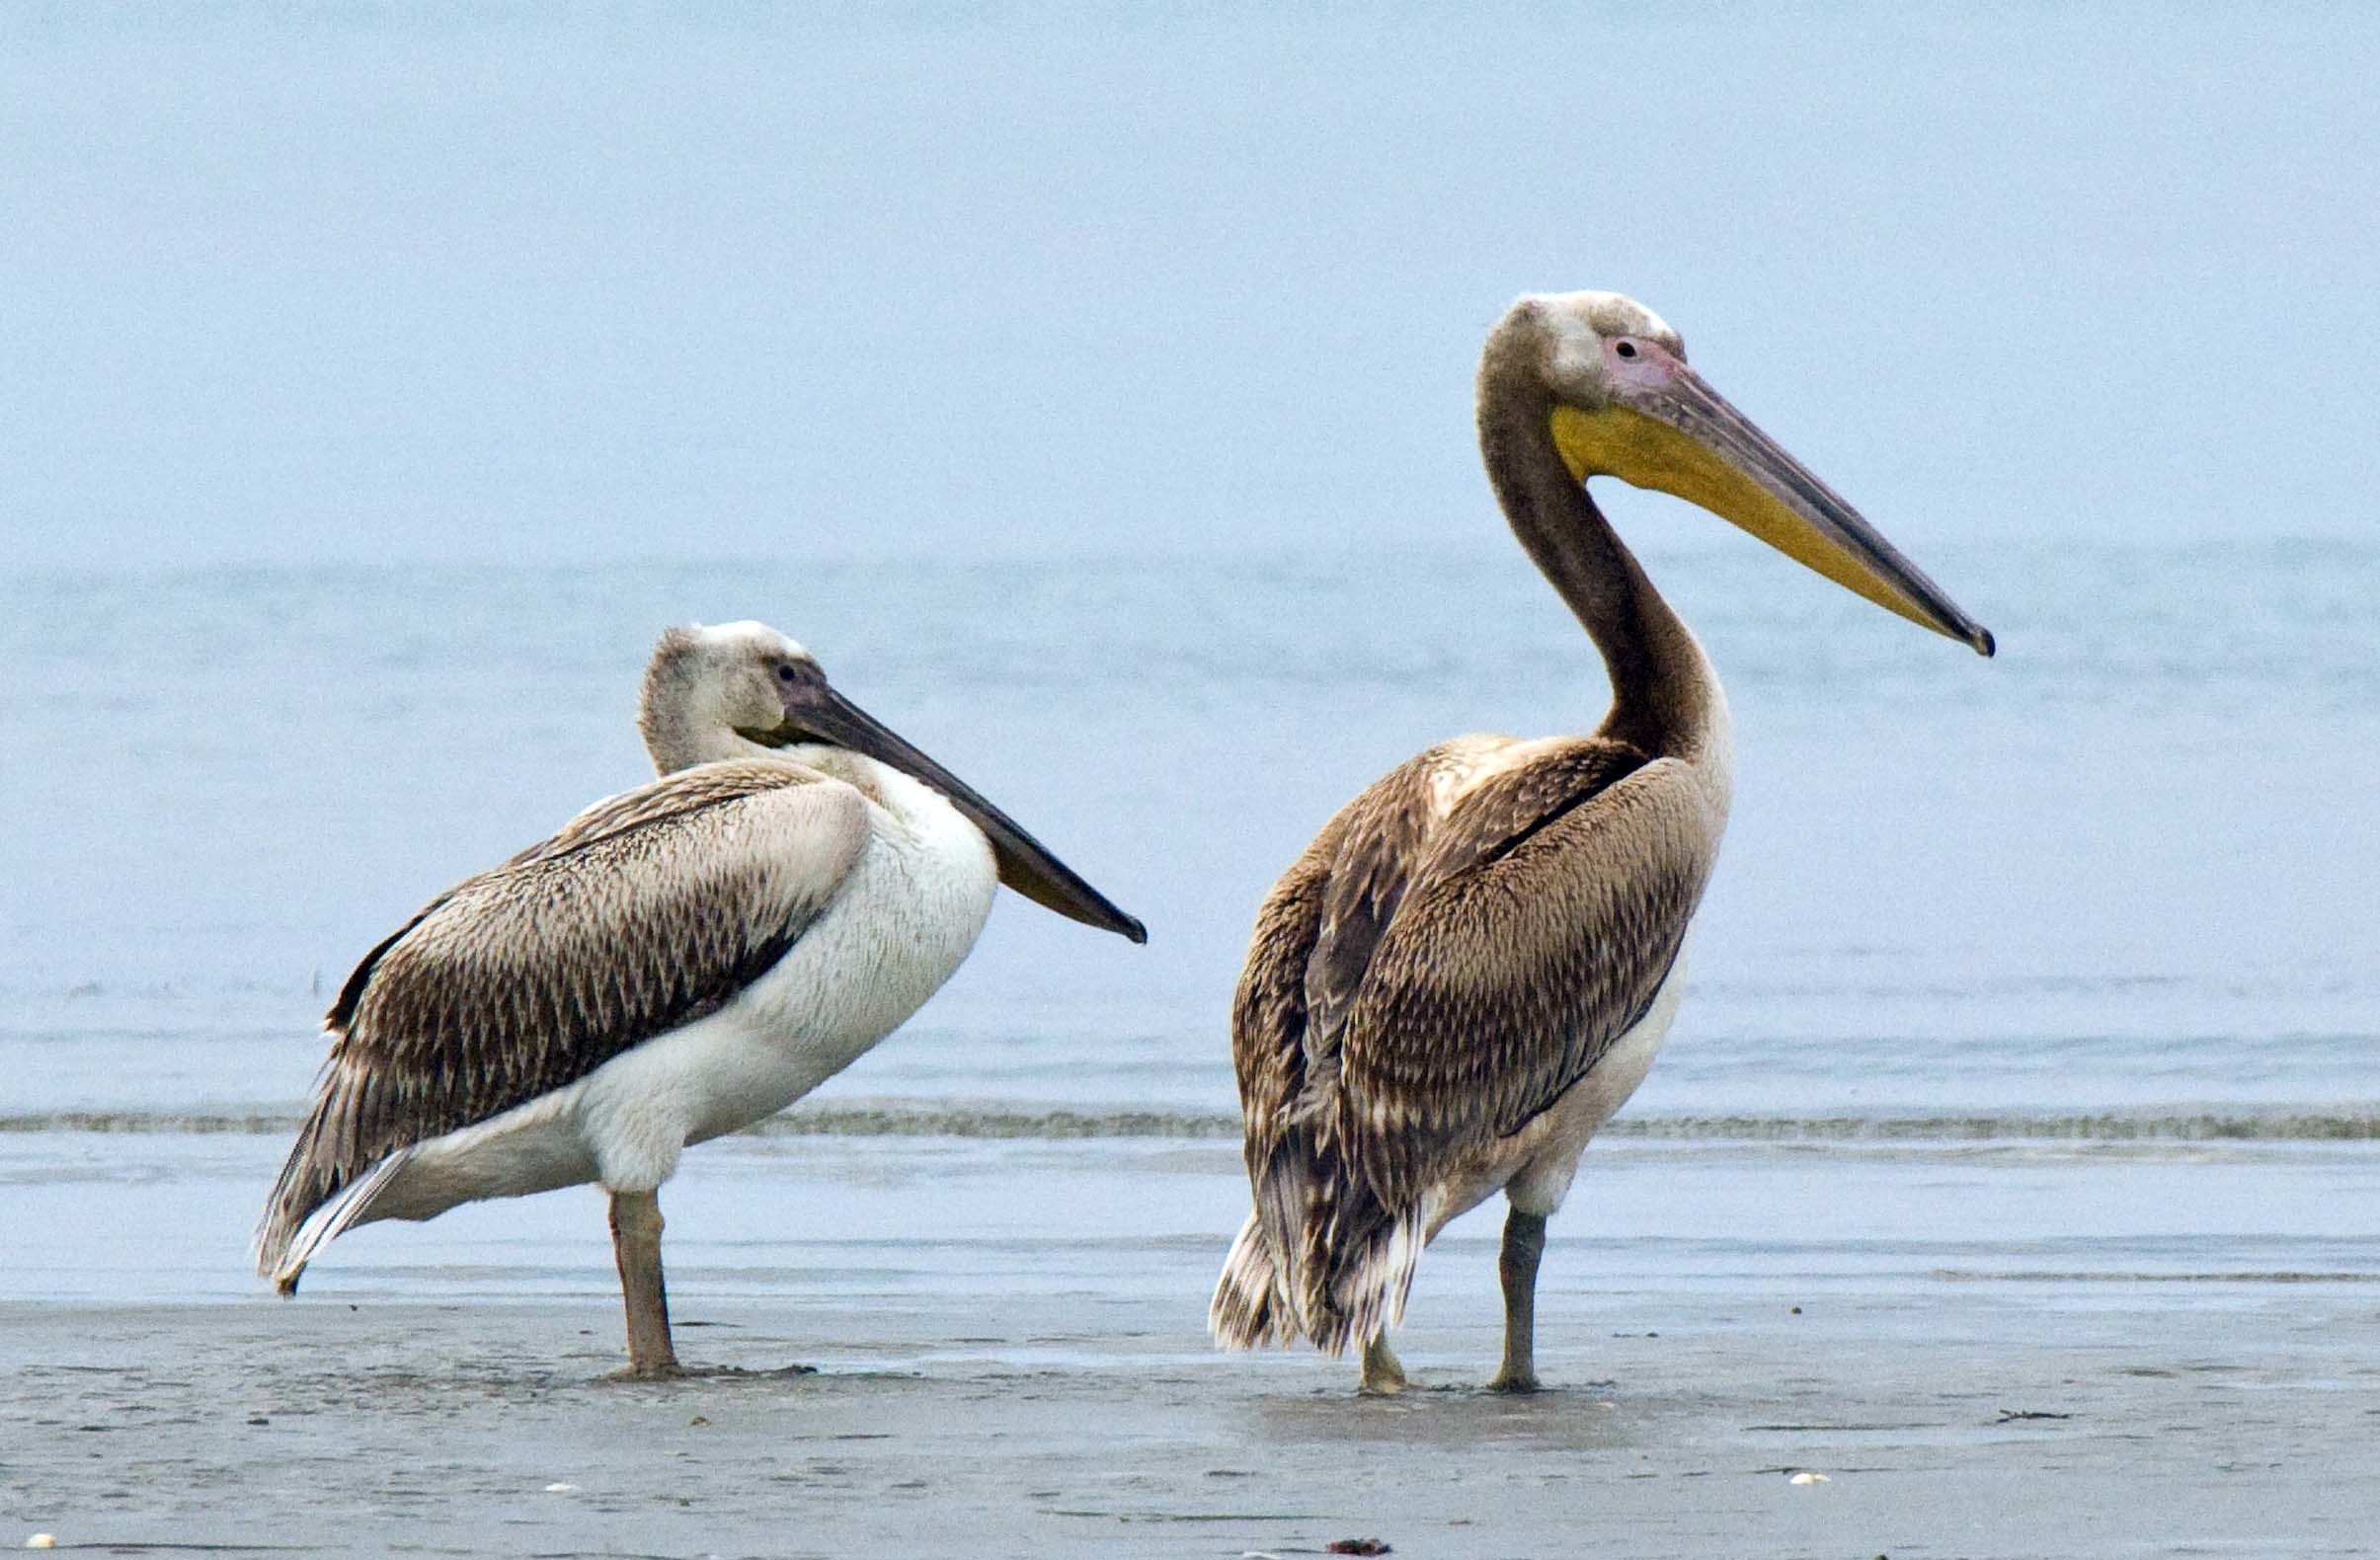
2172 1419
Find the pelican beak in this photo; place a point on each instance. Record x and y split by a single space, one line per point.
815 711
1666 429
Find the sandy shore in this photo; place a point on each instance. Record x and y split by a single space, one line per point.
2188 1419
1999 1349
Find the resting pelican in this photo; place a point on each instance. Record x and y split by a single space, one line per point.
1471 968
681 961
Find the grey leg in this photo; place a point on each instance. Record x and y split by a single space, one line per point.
636 1244
1516 1265
1382 1372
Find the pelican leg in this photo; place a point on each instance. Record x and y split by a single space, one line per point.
1383 1374
1516 1265
636 1244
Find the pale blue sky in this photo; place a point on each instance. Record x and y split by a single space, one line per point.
478 282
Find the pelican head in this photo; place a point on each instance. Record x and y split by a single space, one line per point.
1624 404
711 690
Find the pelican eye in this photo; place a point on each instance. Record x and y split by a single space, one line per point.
785 671
1625 349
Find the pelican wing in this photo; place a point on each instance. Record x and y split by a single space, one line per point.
645 912
1538 929
1269 1016
1425 979
1314 935
1313 938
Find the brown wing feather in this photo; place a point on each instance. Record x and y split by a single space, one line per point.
1420 983
1314 932
1370 868
1510 967
1314 935
1268 1012
630 921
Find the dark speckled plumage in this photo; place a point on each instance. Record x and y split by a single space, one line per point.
1422 984
628 923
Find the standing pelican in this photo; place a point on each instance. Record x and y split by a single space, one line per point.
679 962
1471 968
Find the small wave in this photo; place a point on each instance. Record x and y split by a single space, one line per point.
168 1122
924 1119
2116 1276
939 1119
2152 1126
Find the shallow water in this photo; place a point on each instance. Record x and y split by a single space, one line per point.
2101 903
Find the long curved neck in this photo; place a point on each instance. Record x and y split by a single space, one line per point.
1663 691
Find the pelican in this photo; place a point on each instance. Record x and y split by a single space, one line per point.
679 962
1472 965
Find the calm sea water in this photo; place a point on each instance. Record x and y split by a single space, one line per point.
2110 891
456 282
2128 864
